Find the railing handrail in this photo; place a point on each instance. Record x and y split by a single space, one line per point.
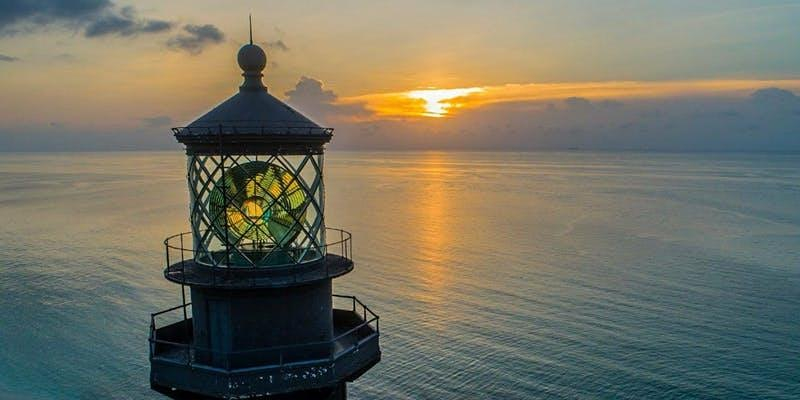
374 319
252 127
187 249
276 348
347 237
155 314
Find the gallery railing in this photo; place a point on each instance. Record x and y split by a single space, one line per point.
173 343
180 249
257 128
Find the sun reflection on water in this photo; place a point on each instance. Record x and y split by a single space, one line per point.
432 211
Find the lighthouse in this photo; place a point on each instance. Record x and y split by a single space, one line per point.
259 317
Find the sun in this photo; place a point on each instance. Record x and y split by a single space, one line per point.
437 102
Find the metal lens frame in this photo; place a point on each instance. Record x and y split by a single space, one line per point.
232 194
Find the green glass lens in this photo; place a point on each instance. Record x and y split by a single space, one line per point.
260 202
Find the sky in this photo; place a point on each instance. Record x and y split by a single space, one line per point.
465 75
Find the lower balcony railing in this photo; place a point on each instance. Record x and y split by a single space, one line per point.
355 326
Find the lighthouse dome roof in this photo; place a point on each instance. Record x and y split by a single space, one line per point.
253 113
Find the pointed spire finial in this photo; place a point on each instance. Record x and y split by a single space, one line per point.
252 60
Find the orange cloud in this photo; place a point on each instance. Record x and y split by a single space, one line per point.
444 102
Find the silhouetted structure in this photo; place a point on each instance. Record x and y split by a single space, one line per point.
259 261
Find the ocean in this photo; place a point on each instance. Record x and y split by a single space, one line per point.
552 275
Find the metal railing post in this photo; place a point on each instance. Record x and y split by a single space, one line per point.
183 300
183 257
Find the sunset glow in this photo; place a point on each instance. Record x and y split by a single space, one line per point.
439 102
450 69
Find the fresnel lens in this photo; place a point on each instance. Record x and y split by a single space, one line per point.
258 204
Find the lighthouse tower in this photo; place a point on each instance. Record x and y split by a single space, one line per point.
258 262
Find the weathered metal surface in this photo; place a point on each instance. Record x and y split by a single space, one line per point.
353 350
193 274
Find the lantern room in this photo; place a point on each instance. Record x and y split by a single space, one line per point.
255 178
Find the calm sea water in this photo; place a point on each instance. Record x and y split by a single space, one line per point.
496 275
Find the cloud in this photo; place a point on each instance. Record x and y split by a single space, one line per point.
582 104
573 94
311 98
6 58
196 38
14 13
157 121
124 23
278 45
765 117
610 104
776 98
310 91
60 137
97 18
578 103
68 57
760 120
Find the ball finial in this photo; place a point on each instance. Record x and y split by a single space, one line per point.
252 59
